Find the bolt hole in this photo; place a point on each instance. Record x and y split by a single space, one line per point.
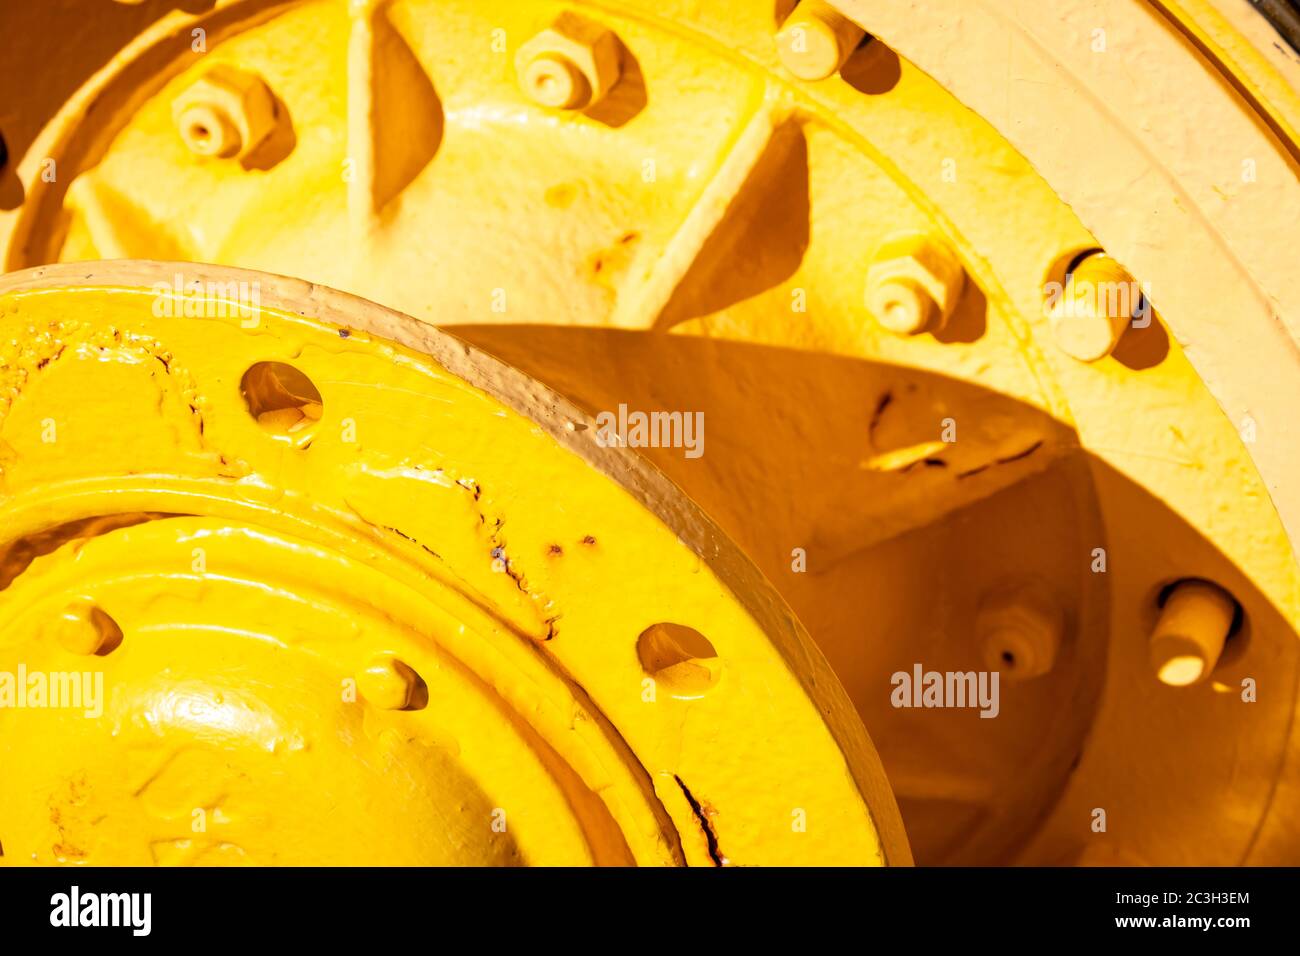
284 401
1079 257
1064 265
680 658
1009 659
1238 615
109 630
419 692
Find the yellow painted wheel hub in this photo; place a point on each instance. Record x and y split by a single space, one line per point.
335 604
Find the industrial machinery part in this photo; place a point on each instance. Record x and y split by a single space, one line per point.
352 592
990 310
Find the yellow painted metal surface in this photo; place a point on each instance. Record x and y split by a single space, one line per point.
854 238
400 626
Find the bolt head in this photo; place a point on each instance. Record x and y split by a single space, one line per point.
570 65
208 131
225 113
388 683
810 48
901 306
1189 636
913 284
1178 661
556 82
84 629
1020 632
1095 308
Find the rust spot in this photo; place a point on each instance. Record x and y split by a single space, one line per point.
555 549
472 486
589 540
614 258
46 360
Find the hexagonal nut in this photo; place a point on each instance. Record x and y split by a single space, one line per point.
227 112
83 628
1020 630
570 65
913 284
391 684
